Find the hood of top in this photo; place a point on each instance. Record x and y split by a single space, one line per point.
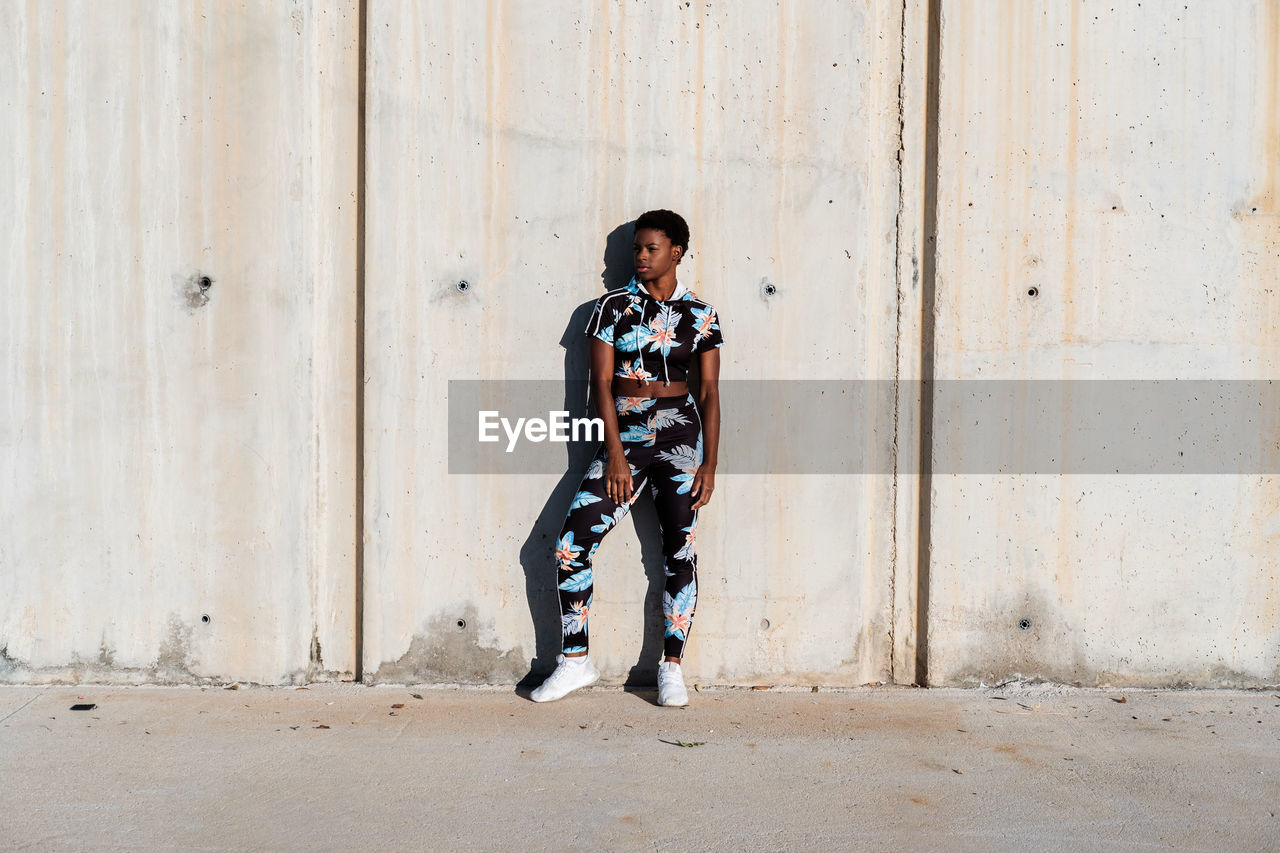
681 292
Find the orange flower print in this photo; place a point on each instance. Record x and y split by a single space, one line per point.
660 334
690 542
678 610
566 551
633 404
704 321
634 370
575 620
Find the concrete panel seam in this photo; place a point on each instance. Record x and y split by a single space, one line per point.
928 285
897 341
362 18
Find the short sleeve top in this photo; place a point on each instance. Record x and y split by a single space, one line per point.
654 339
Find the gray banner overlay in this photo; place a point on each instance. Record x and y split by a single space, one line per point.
847 426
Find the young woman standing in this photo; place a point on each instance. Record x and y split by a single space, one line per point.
644 338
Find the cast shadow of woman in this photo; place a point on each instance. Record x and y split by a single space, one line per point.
537 553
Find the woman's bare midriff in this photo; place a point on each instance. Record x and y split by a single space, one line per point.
653 388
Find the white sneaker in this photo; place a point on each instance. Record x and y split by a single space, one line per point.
569 675
671 692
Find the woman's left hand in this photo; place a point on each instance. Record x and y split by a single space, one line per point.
704 483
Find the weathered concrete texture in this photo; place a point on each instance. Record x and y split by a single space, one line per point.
1120 161
337 767
449 652
508 147
178 348
177 341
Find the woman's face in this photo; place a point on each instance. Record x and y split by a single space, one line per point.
654 254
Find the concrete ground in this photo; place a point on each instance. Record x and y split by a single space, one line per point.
345 767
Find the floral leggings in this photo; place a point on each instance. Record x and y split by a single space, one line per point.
662 440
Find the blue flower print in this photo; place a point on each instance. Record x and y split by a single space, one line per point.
608 521
582 499
633 370
704 320
633 404
660 333
575 620
679 610
566 551
641 433
689 549
685 458
630 342
665 418
577 582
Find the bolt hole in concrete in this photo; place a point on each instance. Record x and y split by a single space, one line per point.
462 623
464 286
1024 624
770 290
193 290
764 624
1033 291
205 619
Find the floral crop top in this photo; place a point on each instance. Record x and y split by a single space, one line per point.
654 339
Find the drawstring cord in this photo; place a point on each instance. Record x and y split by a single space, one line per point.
640 343
666 375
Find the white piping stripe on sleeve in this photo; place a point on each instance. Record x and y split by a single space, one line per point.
600 316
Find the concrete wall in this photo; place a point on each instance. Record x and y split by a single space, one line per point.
1125 162
505 146
171 451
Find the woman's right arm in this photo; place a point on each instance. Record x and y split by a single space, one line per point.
617 472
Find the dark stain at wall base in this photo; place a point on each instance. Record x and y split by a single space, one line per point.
192 290
1034 640
1048 643
7 664
448 652
314 670
1212 677
173 665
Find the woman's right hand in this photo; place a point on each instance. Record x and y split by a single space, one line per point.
617 478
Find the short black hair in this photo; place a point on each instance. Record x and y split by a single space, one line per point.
668 222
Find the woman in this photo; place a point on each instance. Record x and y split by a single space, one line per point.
644 338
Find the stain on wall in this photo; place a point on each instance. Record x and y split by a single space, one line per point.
193 290
451 649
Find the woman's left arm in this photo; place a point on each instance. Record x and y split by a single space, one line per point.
704 481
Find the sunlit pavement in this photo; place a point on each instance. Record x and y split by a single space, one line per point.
344 767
